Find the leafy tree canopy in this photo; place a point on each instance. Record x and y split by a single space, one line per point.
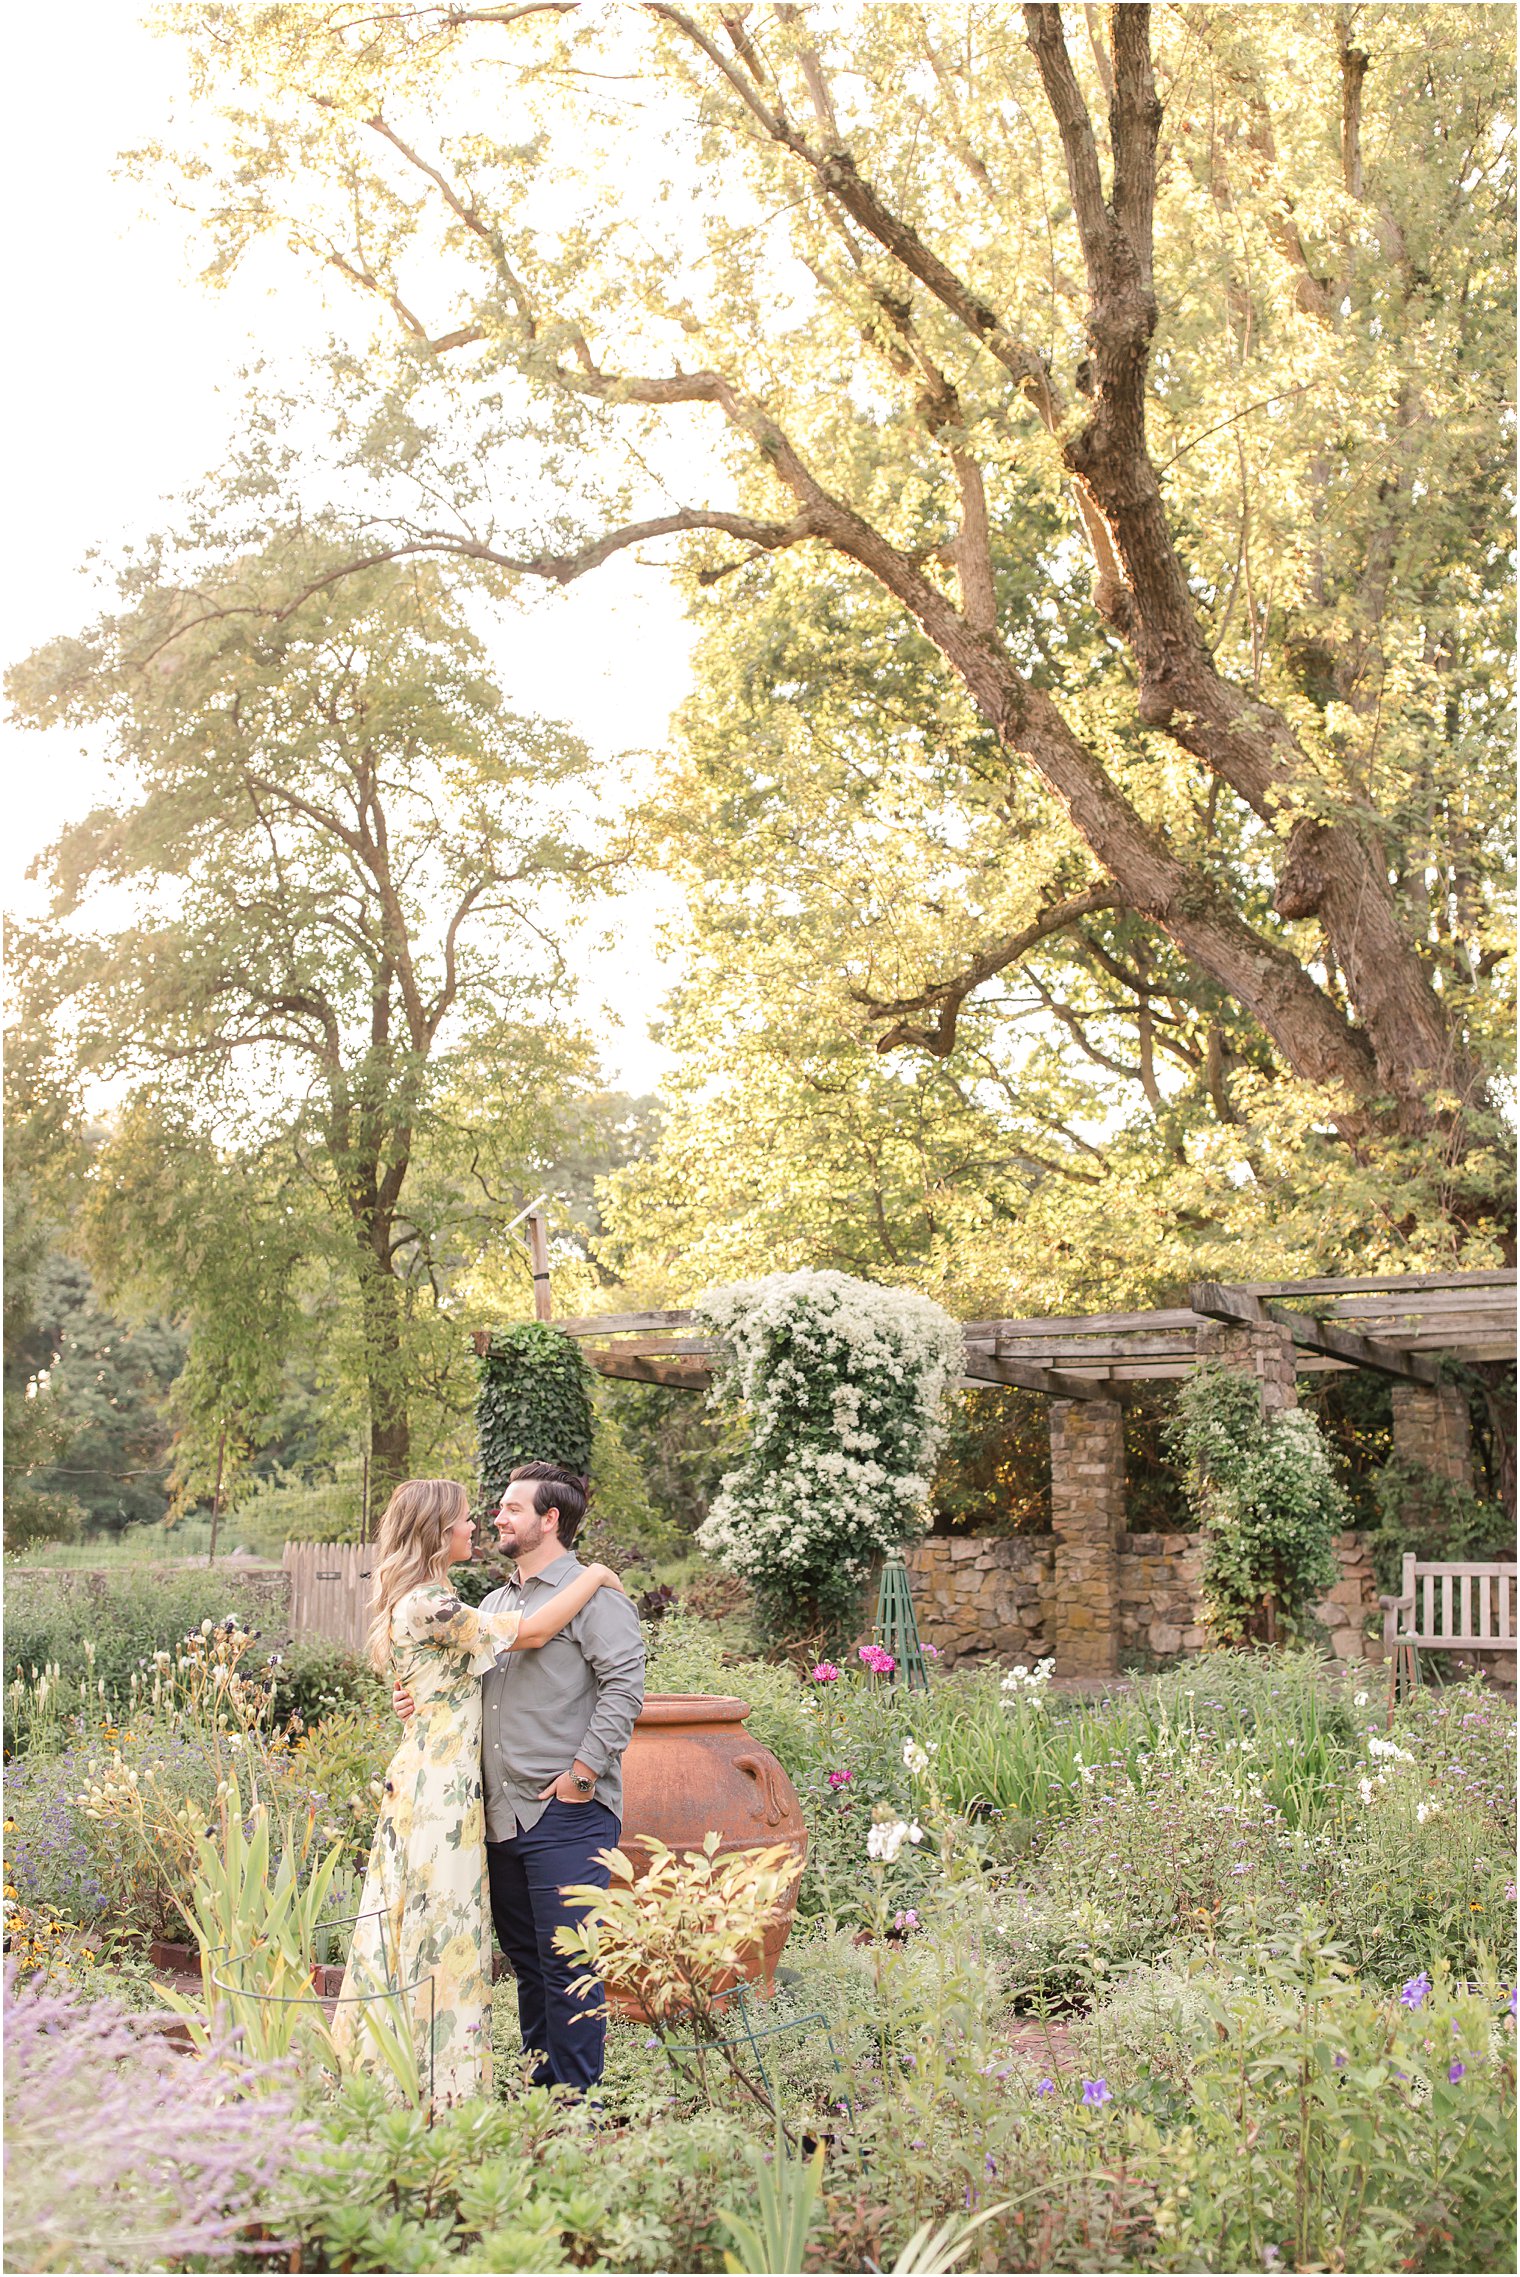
335 997
1089 449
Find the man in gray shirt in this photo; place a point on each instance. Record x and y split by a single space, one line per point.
556 1723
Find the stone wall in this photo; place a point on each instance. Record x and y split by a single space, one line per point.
980 1596
986 1596
1432 1425
1159 1578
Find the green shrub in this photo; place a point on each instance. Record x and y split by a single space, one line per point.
314 1678
127 1615
340 1762
522 2185
1434 1517
1266 1494
1329 2127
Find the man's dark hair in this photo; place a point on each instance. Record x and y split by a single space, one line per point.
555 1488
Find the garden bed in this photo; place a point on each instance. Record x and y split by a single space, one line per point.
1060 1954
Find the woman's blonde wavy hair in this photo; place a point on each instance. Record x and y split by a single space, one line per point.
413 1546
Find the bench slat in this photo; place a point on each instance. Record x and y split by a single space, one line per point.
1457 1565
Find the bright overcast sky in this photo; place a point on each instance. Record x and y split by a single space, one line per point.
122 379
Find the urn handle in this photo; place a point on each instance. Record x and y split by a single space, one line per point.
768 1803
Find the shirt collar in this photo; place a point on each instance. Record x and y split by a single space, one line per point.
558 1571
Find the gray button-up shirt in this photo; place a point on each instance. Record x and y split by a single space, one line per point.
578 1695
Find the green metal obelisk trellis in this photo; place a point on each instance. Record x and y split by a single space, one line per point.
895 1628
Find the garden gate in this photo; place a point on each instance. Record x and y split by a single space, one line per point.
329 1590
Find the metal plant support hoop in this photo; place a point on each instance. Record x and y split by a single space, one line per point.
343 2000
751 2039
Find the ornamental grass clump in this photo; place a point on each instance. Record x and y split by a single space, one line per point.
122 2153
844 1384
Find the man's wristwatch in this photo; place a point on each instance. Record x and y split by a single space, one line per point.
581 1786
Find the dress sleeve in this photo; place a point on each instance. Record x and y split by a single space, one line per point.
435 1616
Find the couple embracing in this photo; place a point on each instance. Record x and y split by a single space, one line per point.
506 1785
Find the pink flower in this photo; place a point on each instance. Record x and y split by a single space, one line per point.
931 1651
826 1673
879 1663
840 1778
905 1921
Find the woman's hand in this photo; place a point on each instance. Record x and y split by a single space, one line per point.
605 1577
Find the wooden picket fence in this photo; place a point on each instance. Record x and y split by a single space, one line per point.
329 1590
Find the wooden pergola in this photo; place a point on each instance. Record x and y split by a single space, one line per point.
1407 1327
1399 1325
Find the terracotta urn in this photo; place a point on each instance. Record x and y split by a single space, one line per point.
692 1769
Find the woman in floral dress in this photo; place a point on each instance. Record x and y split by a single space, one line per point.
424 1936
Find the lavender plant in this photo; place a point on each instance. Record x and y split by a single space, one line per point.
119 2153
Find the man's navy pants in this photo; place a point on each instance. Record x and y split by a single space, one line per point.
528 1872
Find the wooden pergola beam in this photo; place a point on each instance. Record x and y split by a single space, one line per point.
640 1368
1242 1308
1497 1277
1055 1383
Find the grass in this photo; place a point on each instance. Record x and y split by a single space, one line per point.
188 1543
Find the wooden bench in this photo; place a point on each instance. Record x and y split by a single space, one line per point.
1446 1608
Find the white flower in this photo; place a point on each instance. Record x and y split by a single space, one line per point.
915 1757
885 1841
1387 1748
1364 1789
1360 1700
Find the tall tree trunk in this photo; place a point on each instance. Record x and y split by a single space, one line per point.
384 1366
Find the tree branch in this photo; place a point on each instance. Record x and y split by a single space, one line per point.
946 997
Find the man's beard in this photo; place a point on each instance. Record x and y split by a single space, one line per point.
515 1541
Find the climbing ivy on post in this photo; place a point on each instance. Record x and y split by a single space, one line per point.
534 1404
1267 1498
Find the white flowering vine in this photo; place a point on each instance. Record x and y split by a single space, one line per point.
844 1383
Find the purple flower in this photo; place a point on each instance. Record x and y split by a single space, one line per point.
119 2135
826 1673
1413 1993
906 1920
931 1651
1095 2093
1455 2072
840 1778
1045 2087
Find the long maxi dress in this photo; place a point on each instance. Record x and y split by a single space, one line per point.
425 1934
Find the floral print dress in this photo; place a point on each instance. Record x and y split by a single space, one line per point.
425 1935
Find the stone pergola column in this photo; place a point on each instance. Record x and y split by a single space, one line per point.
1087 1514
1262 1350
1432 1426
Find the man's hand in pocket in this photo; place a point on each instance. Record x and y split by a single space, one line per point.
564 1789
